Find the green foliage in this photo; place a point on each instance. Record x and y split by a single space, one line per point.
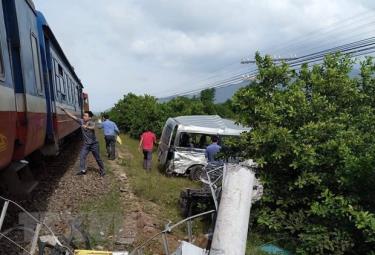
207 98
314 138
134 114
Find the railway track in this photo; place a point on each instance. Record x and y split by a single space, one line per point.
58 192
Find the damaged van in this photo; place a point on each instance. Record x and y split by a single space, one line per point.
184 140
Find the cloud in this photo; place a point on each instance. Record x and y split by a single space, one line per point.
164 46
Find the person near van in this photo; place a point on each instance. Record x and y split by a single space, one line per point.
90 143
146 144
212 149
110 131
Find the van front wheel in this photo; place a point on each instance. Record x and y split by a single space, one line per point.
196 172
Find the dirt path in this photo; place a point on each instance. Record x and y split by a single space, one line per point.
140 219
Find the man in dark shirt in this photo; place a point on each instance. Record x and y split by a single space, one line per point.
212 149
90 144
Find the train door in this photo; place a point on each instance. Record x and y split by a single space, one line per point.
7 100
30 96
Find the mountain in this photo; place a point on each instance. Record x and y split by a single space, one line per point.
221 94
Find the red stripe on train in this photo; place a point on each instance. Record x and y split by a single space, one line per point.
31 132
64 125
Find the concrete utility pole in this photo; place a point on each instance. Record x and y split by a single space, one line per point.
232 221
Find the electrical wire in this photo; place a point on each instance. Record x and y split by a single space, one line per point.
358 48
341 25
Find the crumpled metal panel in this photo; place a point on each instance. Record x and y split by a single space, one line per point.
209 124
185 158
189 249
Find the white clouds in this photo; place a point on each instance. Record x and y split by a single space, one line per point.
165 46
169 43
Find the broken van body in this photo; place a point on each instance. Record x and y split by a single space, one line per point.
185 138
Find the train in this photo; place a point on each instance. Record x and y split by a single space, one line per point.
36 79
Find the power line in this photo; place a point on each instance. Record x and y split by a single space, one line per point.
357 48
348 22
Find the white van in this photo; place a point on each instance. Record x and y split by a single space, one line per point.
184 140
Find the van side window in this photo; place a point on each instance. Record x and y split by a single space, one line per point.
193 140
37 69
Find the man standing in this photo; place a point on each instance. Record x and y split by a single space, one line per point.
148 139
212 149
90 144
110 130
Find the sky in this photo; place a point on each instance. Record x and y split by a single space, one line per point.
163 47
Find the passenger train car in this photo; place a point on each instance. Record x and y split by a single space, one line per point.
35 79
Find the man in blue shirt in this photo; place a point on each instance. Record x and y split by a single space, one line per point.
110 130
212 149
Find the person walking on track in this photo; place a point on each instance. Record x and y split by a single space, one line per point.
111 131
146 144
90 143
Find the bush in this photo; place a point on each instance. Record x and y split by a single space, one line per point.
314 138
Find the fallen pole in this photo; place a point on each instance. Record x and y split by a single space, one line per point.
232 221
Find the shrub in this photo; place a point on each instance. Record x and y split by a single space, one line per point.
314 138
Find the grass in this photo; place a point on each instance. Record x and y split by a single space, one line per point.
103 217
154 186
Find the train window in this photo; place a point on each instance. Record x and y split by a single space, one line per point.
37 69
60 70
67 88
57 80
74 94
79 98
71 91
63 85
1 67
2 73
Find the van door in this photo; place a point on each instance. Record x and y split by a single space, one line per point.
166 139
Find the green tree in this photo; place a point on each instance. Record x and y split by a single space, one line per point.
134 114
225 110
207 98
313 135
